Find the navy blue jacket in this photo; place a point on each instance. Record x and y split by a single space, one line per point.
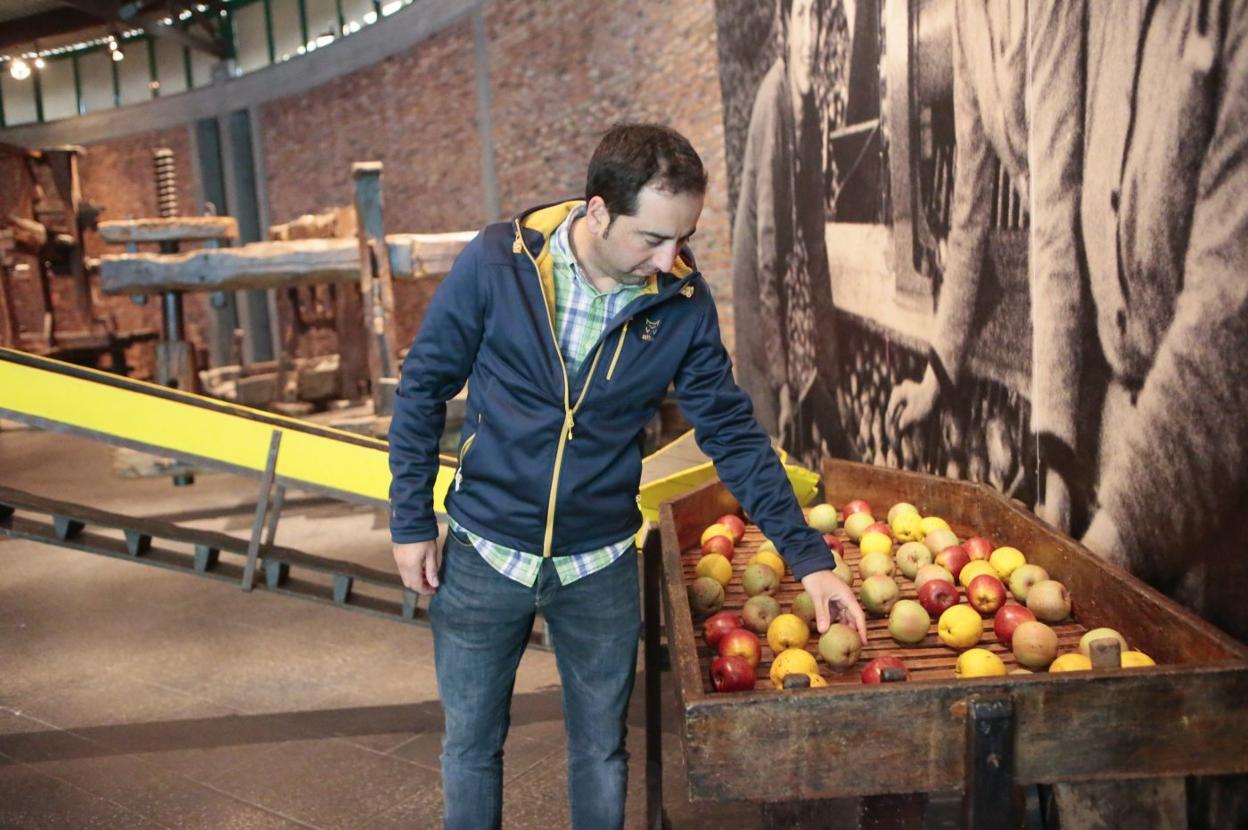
550 463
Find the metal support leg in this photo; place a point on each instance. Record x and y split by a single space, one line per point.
651 567
262 507
275 513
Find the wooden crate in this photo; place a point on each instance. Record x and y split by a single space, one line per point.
1184 716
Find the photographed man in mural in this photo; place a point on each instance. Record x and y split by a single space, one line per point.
1165 222
785 351
1034 131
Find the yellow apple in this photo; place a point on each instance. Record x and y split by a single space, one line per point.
960 627
1006 560
1136 660
792 661
978 662
787 631
973 569
716 566
771 559
716 530
1071 662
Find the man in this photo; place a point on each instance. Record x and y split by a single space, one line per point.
1017 100
569 324
779 261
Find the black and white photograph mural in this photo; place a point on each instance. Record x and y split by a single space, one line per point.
1006 241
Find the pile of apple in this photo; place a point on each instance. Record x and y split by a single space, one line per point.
996 581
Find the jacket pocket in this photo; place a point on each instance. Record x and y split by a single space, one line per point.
464 449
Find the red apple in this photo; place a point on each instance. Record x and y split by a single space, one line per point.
954 559
986 594
733 523
877 671
856 506
717 625
718 544
732 674
834 544
882 527
1007 619
936 595
743 643
978 547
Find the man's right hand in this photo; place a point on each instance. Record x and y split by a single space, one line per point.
418 564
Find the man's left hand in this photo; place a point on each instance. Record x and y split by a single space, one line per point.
834 602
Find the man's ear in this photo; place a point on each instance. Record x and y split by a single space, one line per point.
598 216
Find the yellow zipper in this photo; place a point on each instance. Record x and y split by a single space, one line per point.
619 347
463 451
569 411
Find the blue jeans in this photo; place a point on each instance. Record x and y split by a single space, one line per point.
481 623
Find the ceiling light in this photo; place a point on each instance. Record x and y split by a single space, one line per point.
19 69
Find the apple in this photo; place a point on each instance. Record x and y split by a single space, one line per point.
875 563
734 524
842 569
899 508
978 547
759 611
856 506
906 527
732 674
718 544
986 594
1007 620
1005 560
857 524
885 669
875 542
840 646
927 573
978 662
1023 577
882 527
878 593
908 622
1034 644
743 643
911 556
715 530
706 595
759 579
834 544
717 625
936 595
768 545
939 539
804 607
953 558
823 518
1049 601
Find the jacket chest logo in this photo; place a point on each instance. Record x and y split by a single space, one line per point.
652 328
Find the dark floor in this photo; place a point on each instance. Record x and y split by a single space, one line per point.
134 697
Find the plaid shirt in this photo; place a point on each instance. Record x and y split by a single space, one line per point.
581 314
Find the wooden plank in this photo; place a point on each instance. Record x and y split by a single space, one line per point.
275 264
169 229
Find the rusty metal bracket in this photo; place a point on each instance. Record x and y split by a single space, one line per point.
990 798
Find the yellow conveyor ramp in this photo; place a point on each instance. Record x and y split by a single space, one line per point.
64 397
200 430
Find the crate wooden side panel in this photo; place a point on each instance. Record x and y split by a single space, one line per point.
911 737
854 740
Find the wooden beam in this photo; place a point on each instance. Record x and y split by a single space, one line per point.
48 24
275 264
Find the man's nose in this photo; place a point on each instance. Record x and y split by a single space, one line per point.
665 257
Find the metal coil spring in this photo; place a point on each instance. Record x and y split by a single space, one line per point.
166 182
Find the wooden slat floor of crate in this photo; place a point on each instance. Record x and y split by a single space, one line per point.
928 660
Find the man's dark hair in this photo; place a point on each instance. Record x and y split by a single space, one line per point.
630 156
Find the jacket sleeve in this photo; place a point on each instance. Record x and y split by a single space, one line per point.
725 429
436 368
1059 295
1186 449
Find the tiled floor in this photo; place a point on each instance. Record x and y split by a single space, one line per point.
133 697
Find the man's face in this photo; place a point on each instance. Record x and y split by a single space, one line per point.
629 249
801 43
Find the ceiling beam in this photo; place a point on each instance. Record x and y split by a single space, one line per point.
25 30
151 21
